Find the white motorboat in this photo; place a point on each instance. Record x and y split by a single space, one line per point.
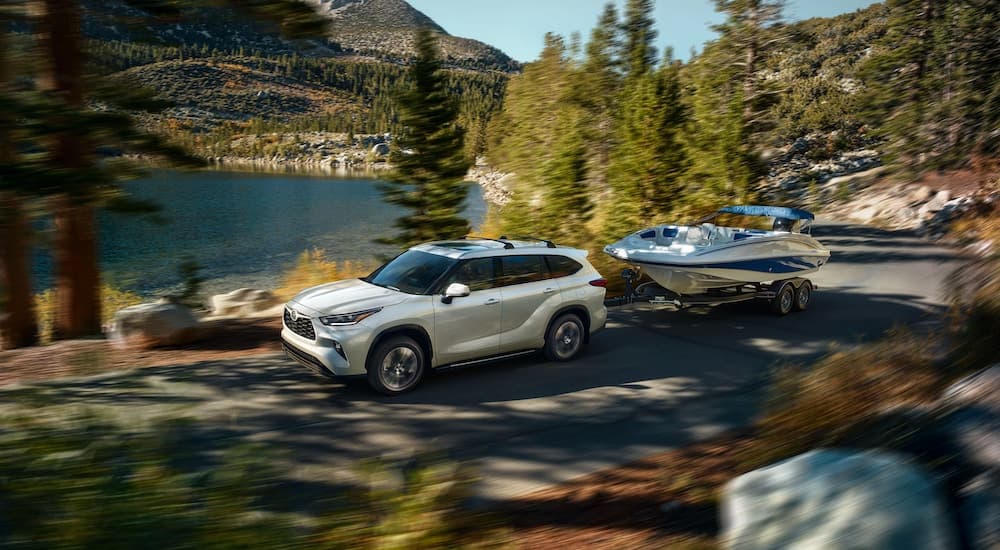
693 259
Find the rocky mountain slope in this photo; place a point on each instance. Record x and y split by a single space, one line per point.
367 29
386 27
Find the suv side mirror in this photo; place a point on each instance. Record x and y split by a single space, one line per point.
455 290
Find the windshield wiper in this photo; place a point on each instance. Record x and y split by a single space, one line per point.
390 287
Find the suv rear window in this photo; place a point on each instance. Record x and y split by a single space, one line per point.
516 270
561 266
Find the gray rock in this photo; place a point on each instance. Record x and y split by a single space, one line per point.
975 433
922 194
858 178
981 390
836 499
154 324
979 513
380 149
243 302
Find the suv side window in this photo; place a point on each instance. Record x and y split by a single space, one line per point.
477 274
516 270
561 266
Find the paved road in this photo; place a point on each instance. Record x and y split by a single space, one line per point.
652 381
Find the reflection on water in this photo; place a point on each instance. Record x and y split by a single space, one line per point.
244 228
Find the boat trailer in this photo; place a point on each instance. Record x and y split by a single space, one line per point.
783 297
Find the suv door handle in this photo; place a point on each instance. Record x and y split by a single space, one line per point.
491 302
549 290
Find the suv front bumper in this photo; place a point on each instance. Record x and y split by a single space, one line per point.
331 353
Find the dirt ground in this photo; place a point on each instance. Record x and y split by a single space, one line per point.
667 500
223 339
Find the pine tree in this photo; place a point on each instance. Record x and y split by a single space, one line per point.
931 81
729 101
73 179
639 51
525 134
650 162
429 156
598 89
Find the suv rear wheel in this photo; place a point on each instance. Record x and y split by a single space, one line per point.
397 366
565 338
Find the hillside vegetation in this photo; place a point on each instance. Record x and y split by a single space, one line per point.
607 138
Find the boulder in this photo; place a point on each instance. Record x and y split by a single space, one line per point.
866 214
922 194
243 302
857 179
380 149
836 499
978 390
979 513
154 324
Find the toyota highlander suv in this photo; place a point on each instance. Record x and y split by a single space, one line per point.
447 303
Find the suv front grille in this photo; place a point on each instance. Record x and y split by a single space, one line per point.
302 326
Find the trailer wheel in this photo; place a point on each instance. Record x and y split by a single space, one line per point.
784 300
803 296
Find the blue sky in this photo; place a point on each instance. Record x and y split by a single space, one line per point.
518 26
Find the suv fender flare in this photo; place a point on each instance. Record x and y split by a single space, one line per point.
416 332
580 311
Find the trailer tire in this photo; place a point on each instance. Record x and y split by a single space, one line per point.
803 296
784 300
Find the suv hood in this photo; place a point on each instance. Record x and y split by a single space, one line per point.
345 297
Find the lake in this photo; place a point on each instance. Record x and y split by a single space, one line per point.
244 229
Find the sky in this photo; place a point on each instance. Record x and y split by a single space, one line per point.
518 27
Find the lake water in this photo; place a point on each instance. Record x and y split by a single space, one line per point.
244 229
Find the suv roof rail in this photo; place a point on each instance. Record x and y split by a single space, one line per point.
548 243
506 245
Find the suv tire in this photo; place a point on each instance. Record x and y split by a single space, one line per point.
397 365
564 340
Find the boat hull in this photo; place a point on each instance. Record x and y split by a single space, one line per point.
696 279
696 269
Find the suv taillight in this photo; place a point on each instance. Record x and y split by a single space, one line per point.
603 283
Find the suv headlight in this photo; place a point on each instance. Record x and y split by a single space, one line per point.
348 318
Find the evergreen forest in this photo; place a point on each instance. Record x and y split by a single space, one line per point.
609 135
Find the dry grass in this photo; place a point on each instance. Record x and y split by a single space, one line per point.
312 268
827 404
112 300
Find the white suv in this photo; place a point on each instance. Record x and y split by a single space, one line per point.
444 304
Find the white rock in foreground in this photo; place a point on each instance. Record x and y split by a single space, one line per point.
243 302
154 324
834 499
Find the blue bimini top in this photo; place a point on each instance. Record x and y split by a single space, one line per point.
772 211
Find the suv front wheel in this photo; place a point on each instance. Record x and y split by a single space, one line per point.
396 366
565 338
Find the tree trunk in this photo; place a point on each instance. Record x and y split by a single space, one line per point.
78 309
77 278
20 328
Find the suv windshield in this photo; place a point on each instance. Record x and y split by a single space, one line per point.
412 272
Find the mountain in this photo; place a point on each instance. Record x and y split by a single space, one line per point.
228 77
361 29
386 27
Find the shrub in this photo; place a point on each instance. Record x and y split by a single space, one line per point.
825 404
312 268
84 480
975 298
112 300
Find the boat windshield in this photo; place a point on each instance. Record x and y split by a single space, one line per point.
412 272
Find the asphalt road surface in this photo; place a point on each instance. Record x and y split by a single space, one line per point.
652 381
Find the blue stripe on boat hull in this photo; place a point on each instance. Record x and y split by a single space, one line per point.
787 264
